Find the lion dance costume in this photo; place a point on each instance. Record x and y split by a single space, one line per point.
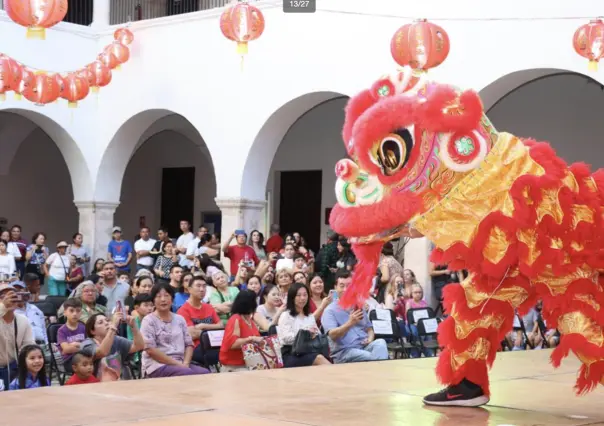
427 161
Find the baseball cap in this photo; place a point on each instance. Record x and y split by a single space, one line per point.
19 284
4 287
62 244
116 229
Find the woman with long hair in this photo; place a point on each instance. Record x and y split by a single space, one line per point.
256 241
297 316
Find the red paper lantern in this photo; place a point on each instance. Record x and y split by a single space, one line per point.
89 76
102 75
121 53
108 59
588 42
27 77
124 36
43 89
10 75
76 89
421 45
242 23
36 15
59 79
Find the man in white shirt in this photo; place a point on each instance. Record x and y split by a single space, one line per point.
192 248
143 248
183 243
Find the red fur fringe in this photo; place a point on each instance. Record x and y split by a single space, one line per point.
467 117
368 256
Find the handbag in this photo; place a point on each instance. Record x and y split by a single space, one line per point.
265 355
305 343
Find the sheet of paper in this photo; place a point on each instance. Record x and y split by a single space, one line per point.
382 327
216 337
422 313
382 314
431 325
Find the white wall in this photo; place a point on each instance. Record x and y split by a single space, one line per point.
36 193
141 189
564 110
314 142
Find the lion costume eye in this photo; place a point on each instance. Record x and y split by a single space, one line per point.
393 151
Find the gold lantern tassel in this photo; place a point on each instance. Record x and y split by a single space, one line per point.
18 96
592 66
2 97
36 33
242 50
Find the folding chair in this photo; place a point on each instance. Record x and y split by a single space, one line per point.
380 322
415 314
519 326
52 332
47 308
57 301
211 341
428 327
542 330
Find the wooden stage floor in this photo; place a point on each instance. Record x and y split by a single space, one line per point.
526 391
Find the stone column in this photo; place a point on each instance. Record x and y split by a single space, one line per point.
240 213
96 221
101 13
417 253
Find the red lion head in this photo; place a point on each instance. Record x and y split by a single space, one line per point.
409 142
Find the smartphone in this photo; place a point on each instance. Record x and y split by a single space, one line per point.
239 232
119 306
24 296
333 294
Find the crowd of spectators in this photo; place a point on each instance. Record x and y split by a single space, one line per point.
163 307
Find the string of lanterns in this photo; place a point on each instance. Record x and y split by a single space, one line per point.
42 87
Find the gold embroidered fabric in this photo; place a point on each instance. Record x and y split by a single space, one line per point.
485 190
479 351
514 295
579 323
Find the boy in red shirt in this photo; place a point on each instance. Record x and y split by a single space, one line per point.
83 367
199 316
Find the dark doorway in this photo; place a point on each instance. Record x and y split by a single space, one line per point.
177 197
300 205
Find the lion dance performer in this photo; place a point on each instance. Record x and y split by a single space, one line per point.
426 161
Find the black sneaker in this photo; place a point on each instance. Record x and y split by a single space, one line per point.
465 394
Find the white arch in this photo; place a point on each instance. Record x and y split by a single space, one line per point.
79 172
498 89
129 137
266 142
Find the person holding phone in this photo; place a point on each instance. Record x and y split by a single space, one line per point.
240 254
16 333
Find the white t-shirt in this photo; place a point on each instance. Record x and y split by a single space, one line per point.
192 248
7 265
58 266
183 242
284 264
146 246
13 249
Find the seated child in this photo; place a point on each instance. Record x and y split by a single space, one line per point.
143 306
83 367
32 373
72 333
